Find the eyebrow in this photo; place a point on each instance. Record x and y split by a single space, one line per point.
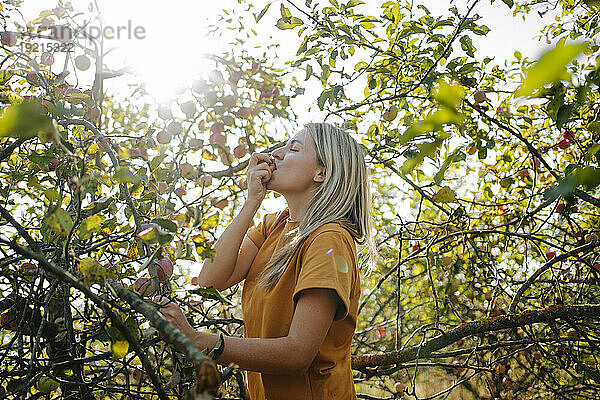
295 140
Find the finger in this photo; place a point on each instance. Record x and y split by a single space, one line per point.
257 158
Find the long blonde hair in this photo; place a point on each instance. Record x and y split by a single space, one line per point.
343 197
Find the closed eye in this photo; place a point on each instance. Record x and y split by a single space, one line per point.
293 150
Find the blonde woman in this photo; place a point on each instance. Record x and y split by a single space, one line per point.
299 267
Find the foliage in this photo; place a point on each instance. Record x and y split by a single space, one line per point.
486 208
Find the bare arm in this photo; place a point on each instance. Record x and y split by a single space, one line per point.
233 253
289 355
231 258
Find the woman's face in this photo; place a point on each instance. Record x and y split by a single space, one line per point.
296 167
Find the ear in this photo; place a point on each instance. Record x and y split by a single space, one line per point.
319 175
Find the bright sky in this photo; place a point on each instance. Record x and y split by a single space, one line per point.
171 52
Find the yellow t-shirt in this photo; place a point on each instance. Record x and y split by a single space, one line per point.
327 259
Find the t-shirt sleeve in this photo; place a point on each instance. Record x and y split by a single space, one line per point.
329 262
258 233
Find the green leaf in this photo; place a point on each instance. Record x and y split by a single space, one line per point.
550 68
309 71
480 30
26 120
289 23
467 45
285 13
444 195
60 222
325 95
564 114
156 161
439 177
124 175
89 225
210 293
509 3
449 95
166 224
262 13
5 76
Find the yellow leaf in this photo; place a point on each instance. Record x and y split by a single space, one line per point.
120 348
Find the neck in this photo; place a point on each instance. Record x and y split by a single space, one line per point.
297 205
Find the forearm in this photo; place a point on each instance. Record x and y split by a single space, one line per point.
217 271
277 356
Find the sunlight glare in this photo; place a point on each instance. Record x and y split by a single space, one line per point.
172 52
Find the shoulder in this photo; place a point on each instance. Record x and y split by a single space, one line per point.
331 232
270 221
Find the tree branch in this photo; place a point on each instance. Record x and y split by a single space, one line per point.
503 322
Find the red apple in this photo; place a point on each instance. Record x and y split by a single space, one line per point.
446 260
7 320
28 266
205 180
46 384
194 143
460 342
219 203
240 151
8 38
235 76
164 112
399 387
164 137
216 77
188 108
32 77
47 58
479 97
472 150
563 144
596 266
199 86
174 127
591 237
188 171
217 127
560 207
415 247
136 374
195 281
164 269
550 255
93 114
458 366
144 286
217 138
82 62
569 135
523 173
162 187
230 101
53 164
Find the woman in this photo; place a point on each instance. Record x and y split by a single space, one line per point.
299 266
